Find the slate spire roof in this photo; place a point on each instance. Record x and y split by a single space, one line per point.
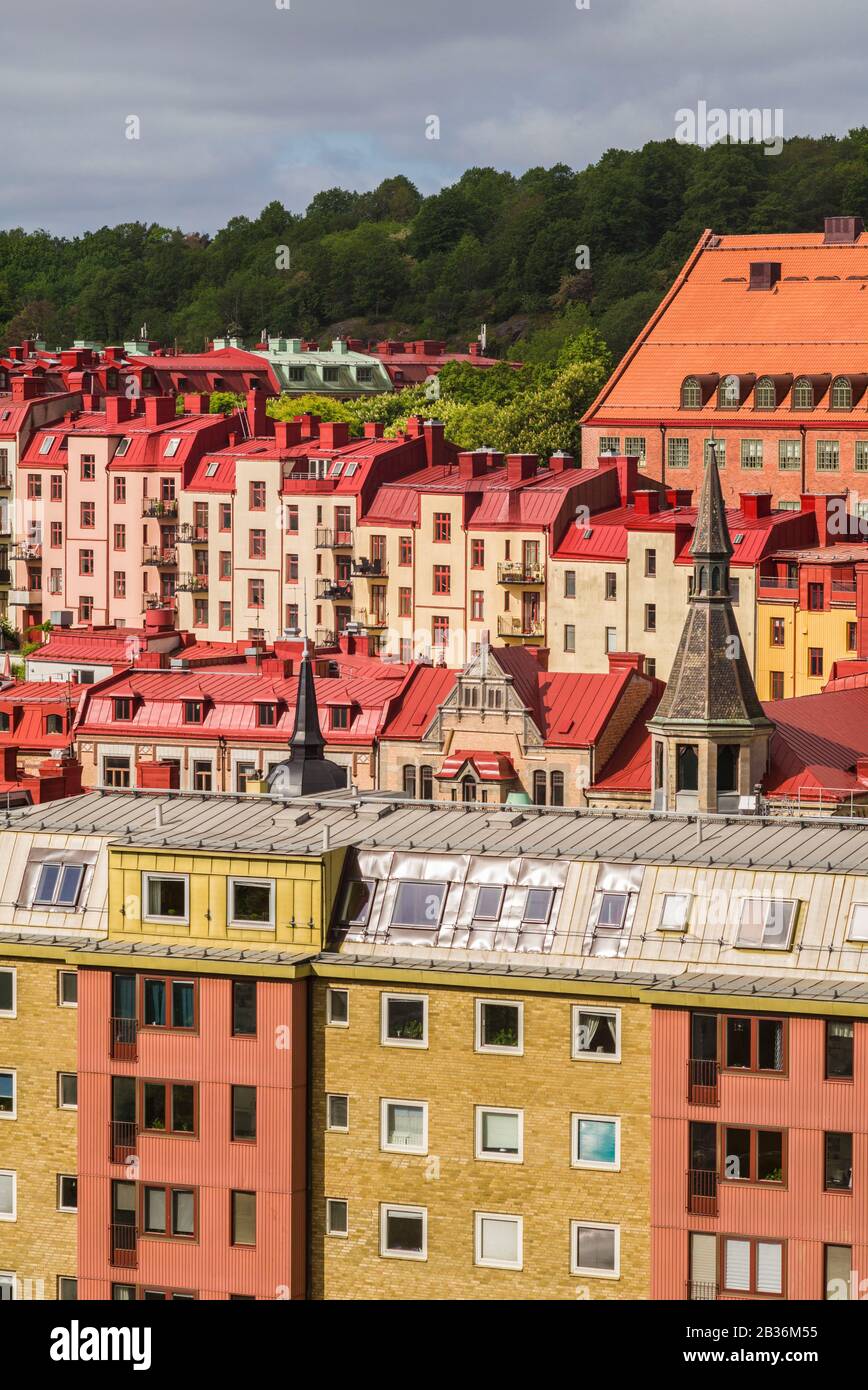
307 769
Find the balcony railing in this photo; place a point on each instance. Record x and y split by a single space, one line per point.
122 1140
192 584
363 568
336 590
325 637
702 1081
192 534
702 1191
5 479
368 621
123 1039
327 539
27 550
843 586
123 1245
507 626
24 598
158 506
159 555
150 600
513 572
700 1290
777 581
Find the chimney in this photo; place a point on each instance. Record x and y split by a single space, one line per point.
197 403
118 409
764 275
626 661
755 504
334 434
256 413
818 503
9 764
414 426
287 433
309 425
475 349
646 502
559 462
679 496
157 776
374 429
26 388
627 467
159 410
842 231
434 432
472 464
520 467
159 620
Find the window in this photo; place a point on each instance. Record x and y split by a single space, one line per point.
816 593
256 593
244 1008
754 1044
116 772
67 1090
67 989
752 1266
442 579
753 1155
224 516
764 394
224 610
861 455
85 562
497 1240
67 1288
166 897
751 453
404 1126
34 481
193 711
828 455
168 1107
838 1164
537 906
851 637
88 515
499 1134
119 584
595 1249
257 544
777 632
251 902
610 444
8 1194
477 555
691 394
729 393
58 885
499 1022
244 1113
338 1007
556 789
597 1034
8 1094
477 604
56 536
338 1112
67 1192
404 1232
404 1020
815 661
650 617
88 468
539 788
789 455
611 583
714 448
120 489
675 911
56 487
243 1213
838 1264
766 923
418 904
337 1216
776 685
168 1003
596 1142
803 394
8 1286
340 716
650 564
678 453
611 639
442 526
569 637
169 1211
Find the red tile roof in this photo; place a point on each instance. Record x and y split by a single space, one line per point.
604 537
629 767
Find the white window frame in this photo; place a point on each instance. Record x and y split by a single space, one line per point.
337 1129
147 916
402 1210
579 1056
13 1174
482 1154
10 1279
60 1102
386 1041
242 922
518 1221
385 1146
480 1046
51 905
862 909
770 904
663 925
13 1012
60 1177
61 1002
13 1113
585 1271
337 1022
329 1229
575 1161
67 1278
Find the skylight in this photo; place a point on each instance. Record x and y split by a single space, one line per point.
172 447
47 444
211 470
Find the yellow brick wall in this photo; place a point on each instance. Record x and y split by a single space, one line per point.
544 1189
40 1143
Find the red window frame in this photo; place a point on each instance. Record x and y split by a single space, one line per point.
754 1242
57 487
86 562
405 602
168 1087
405 550
168 981
119 536
224 518
442 579
34 486
169 1189
477 555
56 534
754 1069
87 513
442 527
751 1178
224 615
120 489
257 496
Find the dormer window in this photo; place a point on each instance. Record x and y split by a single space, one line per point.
172 447
842 394
211 470
494 697
194 712
729 393
803 394
691 394
764 394
5 722
54 723
47 444
123 707
266 716
123 446
340 716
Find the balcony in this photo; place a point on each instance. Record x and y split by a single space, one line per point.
123 1039
363 568
700 1291
150 600
843 586
189 534
327 539
25 598
192 584
702 1191
123 1245
703 1077
5 480
512 572
26 550
123 1136
336 590
369 622
780 583
325 637
507 626
5 525
165 556
159 507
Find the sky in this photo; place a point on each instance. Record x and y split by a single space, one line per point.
239 102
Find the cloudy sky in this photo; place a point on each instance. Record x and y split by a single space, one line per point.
243 101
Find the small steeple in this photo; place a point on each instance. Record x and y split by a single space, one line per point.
307 770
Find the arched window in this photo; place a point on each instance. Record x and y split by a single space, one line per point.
691 394
764 394
687 764
426 782
803 394
715 580
729 393
703 580
468 788
842 394
727 767
410 780
539 789
556 789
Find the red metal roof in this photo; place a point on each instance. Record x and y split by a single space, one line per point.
489 767
629 768
816 743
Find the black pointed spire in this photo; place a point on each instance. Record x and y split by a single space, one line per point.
307 769
307 739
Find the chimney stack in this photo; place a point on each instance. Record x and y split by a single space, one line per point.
159 410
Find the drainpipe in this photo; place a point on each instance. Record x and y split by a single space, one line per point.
663 454
802 432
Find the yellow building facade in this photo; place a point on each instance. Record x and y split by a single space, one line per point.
797 647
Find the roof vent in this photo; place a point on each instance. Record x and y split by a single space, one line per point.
842 231
764 275
178 663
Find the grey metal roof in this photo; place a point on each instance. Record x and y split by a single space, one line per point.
262 824
123 946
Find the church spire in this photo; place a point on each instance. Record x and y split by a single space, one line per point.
307 770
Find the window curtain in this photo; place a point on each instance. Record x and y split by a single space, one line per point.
182 1005
405 1125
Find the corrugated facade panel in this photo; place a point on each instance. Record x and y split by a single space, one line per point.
274 1166
801 1102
